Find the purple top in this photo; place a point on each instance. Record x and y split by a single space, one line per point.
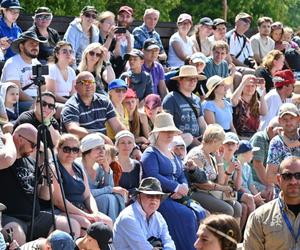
157 73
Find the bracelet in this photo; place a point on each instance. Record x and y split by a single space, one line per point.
229 174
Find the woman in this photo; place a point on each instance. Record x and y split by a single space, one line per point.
82 31
137 125
80 203
61 79
208 158
276 34
131 169
159 162
109 199
106 25
117 91
95 59
9 30
180 45
248 106
218 232
272 62
216 108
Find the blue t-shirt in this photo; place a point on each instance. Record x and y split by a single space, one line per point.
212 69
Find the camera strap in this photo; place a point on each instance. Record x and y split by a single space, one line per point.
244 43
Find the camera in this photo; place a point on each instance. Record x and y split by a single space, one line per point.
39 70
120 30
249 62
155 242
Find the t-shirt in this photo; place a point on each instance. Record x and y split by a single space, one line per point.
184 116
247 177
63 88
16 69
212 69
157 73
186 46
260 46
205 45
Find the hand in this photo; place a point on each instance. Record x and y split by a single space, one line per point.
14 245
232 69
5 43
176 196
111 32
90 217
106 54
258 199
190 164
220 154
128 36
121 191
183 189
269 191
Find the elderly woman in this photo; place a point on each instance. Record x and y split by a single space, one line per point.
218 232
216 108
159 162
80 203
209 159
82 31
41 21
109 199
95 59
180 45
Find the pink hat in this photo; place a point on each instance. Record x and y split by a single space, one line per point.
284 77
184 17
126 9
130 93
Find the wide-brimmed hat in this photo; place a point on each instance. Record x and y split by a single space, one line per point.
11 4
288 108
164 122
150 186
212 83
188 71
27 35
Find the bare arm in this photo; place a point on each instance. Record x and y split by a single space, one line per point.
8 153
178 49
209 117
162 89
88 197
116 125
271 172
74 128
51 86
260 171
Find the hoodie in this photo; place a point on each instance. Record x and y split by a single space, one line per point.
11 114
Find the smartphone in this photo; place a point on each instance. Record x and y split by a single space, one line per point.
120 29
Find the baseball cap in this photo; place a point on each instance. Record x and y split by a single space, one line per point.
126 9
183 17
117 84
42 10
152 101
206 21
101 233
91 141
246 146
243 15
60 240
288 108
130 93
218 21
89 8
11 4
134 52
231 137
198 57
150 43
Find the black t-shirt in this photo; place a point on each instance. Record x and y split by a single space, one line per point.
29 117
17 189
292 57
295 209
264 73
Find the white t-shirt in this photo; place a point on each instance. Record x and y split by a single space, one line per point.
261 47
15 69
187 47
63 88
235 45
274 102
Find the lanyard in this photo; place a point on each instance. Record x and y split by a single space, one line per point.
288 223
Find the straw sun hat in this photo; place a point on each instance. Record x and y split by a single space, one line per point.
188 71
164 122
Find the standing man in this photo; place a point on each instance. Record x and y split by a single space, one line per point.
185 106
276 225
147 30
261 42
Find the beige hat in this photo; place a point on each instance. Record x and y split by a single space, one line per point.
188 71
243 15
164 122
91 141
212 83
288 108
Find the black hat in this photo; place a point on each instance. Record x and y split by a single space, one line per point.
24 37
11 4
150 43
218 21
102 233
88 9
150 186
134 52
42 10
206 21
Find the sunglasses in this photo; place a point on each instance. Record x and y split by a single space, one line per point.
245 20
289 176
43 17
68 150
90 15
49 105
122 90
153 196
67 51
276 26
86 82
32 144
93 53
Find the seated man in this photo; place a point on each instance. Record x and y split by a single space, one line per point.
140 224
87 111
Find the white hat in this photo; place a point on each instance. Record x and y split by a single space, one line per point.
121 134
91 141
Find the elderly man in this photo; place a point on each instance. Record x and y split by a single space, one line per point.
186 106
140 226
276 224
147 30
87 111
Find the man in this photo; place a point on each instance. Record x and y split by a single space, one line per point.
261 42
18 69
87 111
278 149
284 81
140 224
98 236
154 68
186 106
147 30
276 224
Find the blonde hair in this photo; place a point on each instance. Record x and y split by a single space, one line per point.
288 30
83 63
213 132
270 58
67 137
151 11
104 15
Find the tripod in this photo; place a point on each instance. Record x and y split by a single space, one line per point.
45 172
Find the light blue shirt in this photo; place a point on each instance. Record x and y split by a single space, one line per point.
132 229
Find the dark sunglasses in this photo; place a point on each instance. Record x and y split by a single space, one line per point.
289 176
43 17
92 53
50 105
68 150
246 20
153 196
90 15
32 144
67 51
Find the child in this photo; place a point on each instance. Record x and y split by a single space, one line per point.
10 95
287 37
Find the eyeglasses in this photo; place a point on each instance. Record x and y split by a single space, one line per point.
43 17
90 15
289 176
93 53
50 105
32 144
246 20
86 82
67 51
153 196
68 150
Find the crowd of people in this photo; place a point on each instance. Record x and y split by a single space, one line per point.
194 146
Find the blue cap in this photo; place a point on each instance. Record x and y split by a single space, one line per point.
117 84
246 146
60 240
11 4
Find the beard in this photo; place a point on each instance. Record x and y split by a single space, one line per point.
29 54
